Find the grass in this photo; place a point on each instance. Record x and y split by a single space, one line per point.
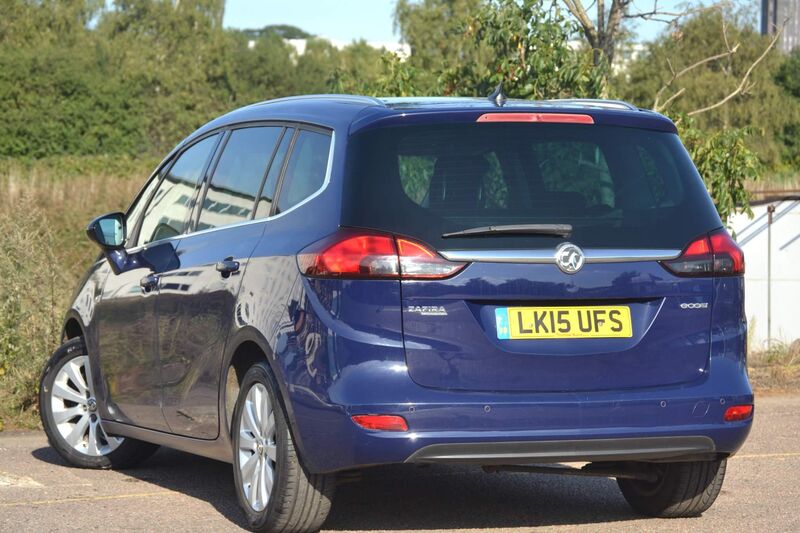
44 208
776 368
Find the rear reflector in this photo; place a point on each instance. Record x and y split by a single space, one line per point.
381 422
552 118
738 412
715 254
371 255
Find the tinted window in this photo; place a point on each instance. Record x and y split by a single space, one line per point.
167 214
268 193
231 194
136 210
305 172
618 187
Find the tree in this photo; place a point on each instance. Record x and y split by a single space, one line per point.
435 32
718 70
522 44
605 32
528 52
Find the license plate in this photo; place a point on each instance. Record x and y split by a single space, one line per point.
597 321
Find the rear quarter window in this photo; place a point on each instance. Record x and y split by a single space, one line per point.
305 170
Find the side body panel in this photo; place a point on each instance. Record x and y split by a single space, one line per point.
127 340
196 310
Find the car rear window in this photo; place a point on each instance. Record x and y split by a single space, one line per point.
618 187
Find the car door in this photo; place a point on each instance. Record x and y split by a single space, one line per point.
196 308
126 310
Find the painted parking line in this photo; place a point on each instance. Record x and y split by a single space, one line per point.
92 498
765 455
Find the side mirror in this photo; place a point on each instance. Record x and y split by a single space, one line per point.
108 231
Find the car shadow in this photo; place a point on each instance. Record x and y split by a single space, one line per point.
191 475
407 496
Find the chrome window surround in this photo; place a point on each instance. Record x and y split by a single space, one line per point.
325 182
592 255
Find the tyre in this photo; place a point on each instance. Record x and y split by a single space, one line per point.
680 490
273 488
68 409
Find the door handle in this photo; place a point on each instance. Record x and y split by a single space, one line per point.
227 266
149 282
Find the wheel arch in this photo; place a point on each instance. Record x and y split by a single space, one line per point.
244 348
73 327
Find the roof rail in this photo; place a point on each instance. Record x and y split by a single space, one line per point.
594 102
349 97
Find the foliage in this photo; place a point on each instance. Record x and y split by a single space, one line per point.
788 75
78 77
523 45
773 113
725 162
529 52
435 32
42 215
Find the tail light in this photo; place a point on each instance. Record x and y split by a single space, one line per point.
381 422
373 255
715 254
738 413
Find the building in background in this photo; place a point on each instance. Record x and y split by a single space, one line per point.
773 13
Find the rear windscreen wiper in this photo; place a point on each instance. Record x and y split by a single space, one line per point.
559 230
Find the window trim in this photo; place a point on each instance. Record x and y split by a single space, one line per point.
328 169
162 173
218 156
277 147
296 125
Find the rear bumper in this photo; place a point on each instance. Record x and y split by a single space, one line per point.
678 448
678 423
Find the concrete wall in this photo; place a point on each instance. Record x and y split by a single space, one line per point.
751 235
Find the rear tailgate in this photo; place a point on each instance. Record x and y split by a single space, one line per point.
452 332
512 320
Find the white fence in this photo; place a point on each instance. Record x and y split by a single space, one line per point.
772 270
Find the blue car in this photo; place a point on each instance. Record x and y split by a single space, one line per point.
319 284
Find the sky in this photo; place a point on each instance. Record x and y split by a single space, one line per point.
349 20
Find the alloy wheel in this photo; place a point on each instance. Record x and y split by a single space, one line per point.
74 410
257 447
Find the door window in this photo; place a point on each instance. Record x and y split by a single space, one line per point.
232 191
268 193
136 210
167 214
305 172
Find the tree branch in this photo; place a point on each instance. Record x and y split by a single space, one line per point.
743 86
675 75
579 12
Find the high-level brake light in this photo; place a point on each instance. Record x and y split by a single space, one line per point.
373 255
552 118
715 254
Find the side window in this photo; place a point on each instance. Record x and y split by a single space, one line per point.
167 213
268 193
232 191
136 210
305 172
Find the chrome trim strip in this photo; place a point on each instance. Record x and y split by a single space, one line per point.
328 171
593 255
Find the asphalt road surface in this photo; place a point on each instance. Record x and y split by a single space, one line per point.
174 491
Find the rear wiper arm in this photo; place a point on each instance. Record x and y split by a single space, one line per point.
559 230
